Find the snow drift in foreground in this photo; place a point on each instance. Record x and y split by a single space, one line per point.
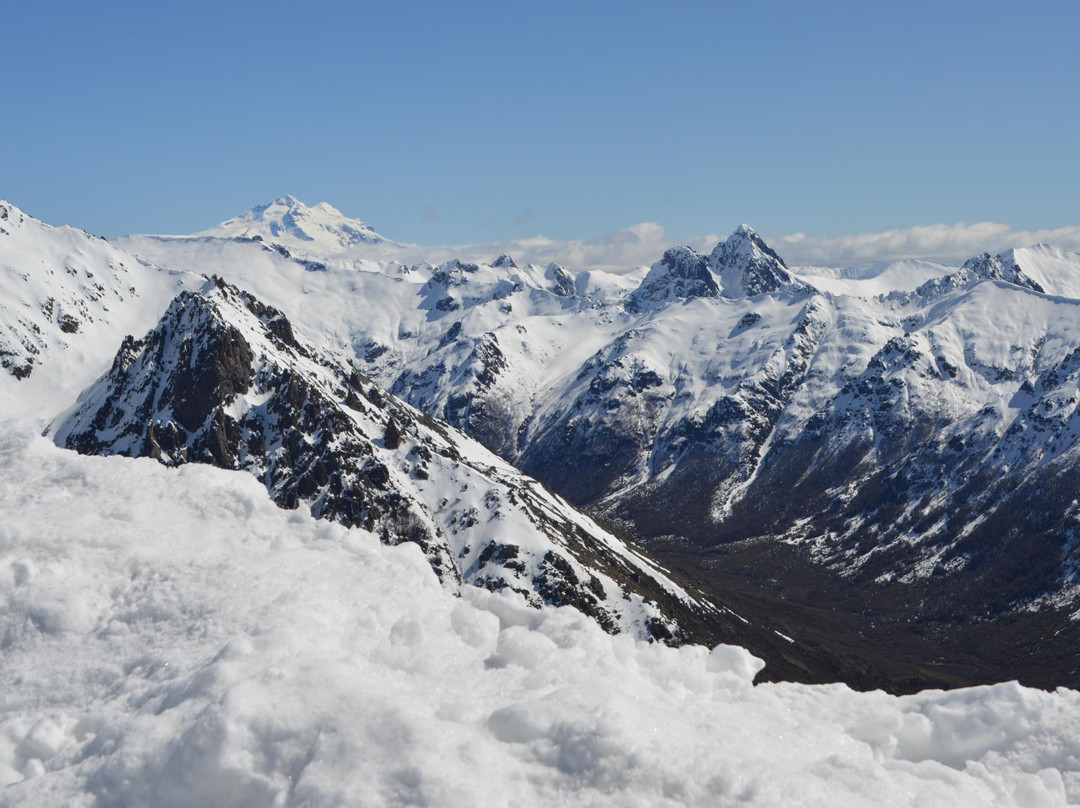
170 637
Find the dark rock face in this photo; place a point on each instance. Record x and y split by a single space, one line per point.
560 282
982 267
681 274
748 267
623 428
392 435
931 488
594 445
171 396
476 406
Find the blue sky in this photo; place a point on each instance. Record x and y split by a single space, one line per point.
467 122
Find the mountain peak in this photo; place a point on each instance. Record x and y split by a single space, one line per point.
680 275
504 261
1001 267
10 213
747 266
746 242
320 228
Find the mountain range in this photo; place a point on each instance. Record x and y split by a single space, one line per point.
857 475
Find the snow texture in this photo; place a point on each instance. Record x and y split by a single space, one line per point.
172 638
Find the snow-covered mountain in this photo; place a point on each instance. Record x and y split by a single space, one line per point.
871 281
896 433
319 229
672 402
1053 269
222 379
834 462
66 300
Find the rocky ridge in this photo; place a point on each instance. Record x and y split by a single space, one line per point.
224 380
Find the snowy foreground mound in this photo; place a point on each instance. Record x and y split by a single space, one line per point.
171 638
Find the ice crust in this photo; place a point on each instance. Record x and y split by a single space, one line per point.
172 638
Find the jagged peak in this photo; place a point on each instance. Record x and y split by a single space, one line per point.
748 266
1002 267
456 267
678 255
985 260
744 243
504 261
218 304
562 283
680 274
984 267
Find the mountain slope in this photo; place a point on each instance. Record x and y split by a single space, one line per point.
66 300
1055 270
805 448
223 380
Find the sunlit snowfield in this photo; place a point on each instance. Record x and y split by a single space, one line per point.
170 637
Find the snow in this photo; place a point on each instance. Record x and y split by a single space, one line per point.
320 228
898 276
548 342
66 301
1055 270
192 644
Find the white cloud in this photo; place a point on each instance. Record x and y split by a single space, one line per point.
639 245
644 243
941 242
620 251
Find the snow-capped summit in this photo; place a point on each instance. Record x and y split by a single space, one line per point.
319 228
983 267
680 275
747 266
561 281
1000 267
10 216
